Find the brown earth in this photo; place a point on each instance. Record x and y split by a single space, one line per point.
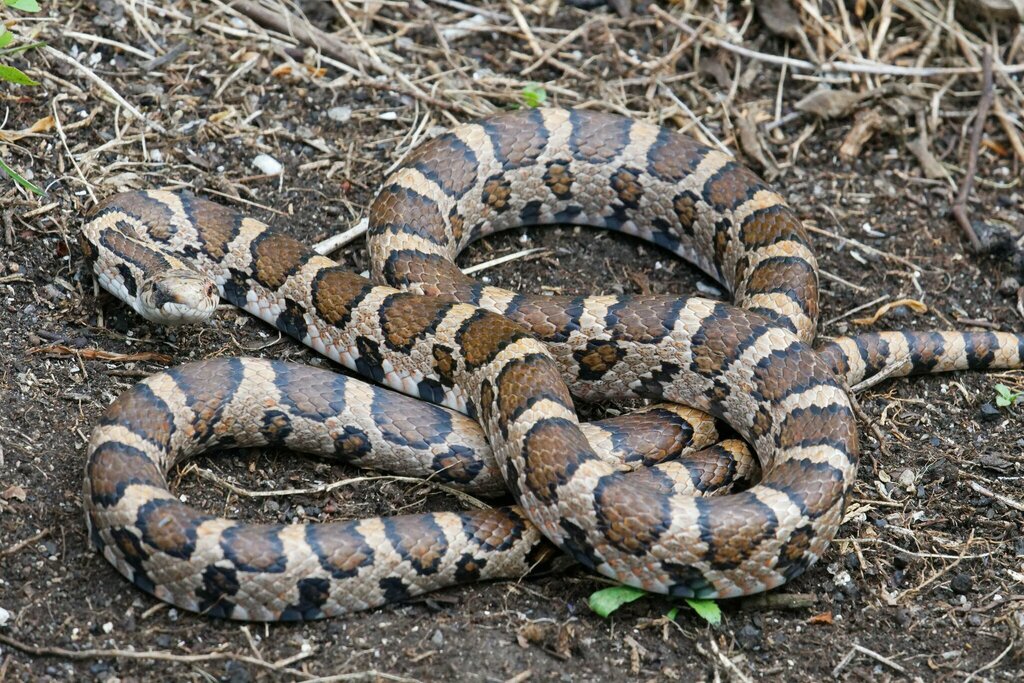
925 579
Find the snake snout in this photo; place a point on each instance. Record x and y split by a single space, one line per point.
178 297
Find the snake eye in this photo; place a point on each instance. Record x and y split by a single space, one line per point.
162 297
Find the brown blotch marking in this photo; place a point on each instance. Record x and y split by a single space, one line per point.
143 413
408 317
497 192
494 530
276 257
169 526
626 184
598 137
874 352
770 225
722 338
813 487
835 358
434 273
523 382
731 186
458 465
216 225
789 370
486 409
340 548
794 556
632 511
980 348
131 549
551 319
674 157
829 425
114 466
444 364
518 138
790 275
722 243
419 540
553 450
685 206
337 292
732 526
207 399
926 348
643 319
559 179
598 358
484 335
651 437
458 225
402 210
254 548
352 443
762 422
275 426
712 469
151 261
151 210
777 274
449 162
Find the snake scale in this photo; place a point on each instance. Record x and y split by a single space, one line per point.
628 498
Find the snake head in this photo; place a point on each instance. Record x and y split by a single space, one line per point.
177 297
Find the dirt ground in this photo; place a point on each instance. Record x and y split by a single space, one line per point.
926 579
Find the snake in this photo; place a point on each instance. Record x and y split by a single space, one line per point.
647 499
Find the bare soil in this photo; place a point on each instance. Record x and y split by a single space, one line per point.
925 579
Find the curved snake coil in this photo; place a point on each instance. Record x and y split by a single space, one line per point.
746 365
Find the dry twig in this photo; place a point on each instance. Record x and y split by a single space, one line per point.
960 205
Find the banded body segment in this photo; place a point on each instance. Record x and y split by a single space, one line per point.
898 354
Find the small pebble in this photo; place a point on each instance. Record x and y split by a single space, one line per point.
962 584
339 114
749 637
267 164
989 412
437 638
1009 285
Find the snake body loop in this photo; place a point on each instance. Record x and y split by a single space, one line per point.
508 362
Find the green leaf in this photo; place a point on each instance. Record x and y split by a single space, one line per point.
23 5
5 37
9 73
607 600
707 609
672 614
534 95
21 48
20 179
1005 397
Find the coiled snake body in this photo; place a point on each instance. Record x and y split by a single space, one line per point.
579 488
